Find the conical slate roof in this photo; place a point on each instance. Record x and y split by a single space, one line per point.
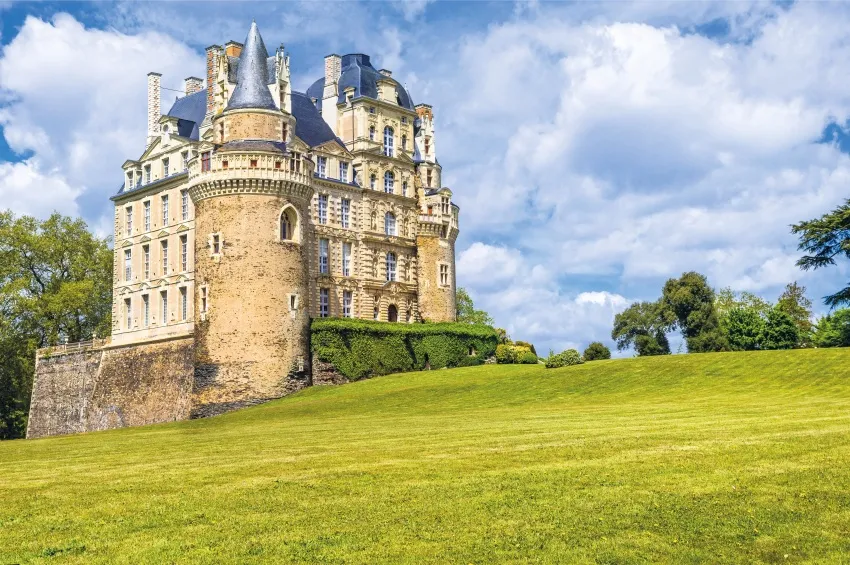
251 90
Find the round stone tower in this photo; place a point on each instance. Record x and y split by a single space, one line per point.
251 198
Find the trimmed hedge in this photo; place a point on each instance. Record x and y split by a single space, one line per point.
564 359
364 348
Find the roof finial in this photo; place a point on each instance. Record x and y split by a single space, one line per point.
252 90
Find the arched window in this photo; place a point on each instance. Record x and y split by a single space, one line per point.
389 224
389 141
391 264
389 182
392 313
372 180
288 225
371 133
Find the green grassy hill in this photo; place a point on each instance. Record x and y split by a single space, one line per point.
715 458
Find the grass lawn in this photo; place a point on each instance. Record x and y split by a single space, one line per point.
714 458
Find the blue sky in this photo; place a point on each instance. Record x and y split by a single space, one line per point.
595 149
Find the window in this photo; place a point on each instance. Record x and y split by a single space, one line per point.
430 210
184 304
204 299
389 182
146 310
372 180
163 300
346 259
324 300
128 265
164 168
146 254
288 225
285 132
344 211
427 145
428 178
404 188
391 265
343 171
128 313
323 256
389 224
185 156
253 163
321 166
392 313
323 208
165 210
371 109
404 143
147 174
444 201
184 253
277 164
147 215
444 275
184 205
216 244
205 161
346 303
129 180
371 133
138 179
404 119
389 141
164 255
295 162
225 164
377 309
128 224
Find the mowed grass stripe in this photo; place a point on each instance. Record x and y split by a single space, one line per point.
732 458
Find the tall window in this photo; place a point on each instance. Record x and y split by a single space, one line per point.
146 207
346 259
404 143
164 168
129 180
444 275
184 304
295 162
324 302
371 133
164 209
428 177
389 182
391 266
389 224
321 166
287 225
427 145
128 264
372 180
323 208
343 171
146 255
404 188
146 310
147 174
346 303
203 299
445 205
216 244
185 156
163 300
128 313
344 211
138 179
389 141
164 255
323 256
184 205
205 161
184 253
128 220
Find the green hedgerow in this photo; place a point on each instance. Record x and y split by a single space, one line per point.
527 358
564 359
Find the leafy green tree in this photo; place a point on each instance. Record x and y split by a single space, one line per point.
690 300
780 330
55 284
833 330
643 325
727 300
596 350
824 239
466 312
793 301
529 345
744 328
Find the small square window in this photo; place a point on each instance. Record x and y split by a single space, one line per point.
277 164
224 164
253 162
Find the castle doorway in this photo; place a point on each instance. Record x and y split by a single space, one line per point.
392 313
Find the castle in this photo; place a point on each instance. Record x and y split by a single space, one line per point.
253 209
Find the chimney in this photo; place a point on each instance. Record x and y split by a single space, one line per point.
193 85
386 73
154 113
333 69
213 53
233 48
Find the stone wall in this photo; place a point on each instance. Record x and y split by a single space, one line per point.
107 388
436 301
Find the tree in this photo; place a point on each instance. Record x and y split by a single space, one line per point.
793 301
824 239
55 284
780 330
527 344
690 300
833 330
744 329
466 312
644 326
595 351
727 300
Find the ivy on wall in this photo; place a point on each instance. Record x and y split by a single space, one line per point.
363 348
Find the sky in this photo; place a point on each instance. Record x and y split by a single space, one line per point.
595 149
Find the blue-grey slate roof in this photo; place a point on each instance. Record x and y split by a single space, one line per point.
122 191
252 89
309 124
357 71
189 111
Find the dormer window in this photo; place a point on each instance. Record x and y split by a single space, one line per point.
321 167
147 174
185 156
343 171
165 128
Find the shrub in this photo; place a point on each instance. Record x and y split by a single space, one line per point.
526 344
595 351
364 348
528 358
507 354
564 359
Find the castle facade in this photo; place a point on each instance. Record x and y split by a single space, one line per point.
255 208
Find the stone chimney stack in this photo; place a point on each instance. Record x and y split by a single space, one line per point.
154 101
193 85
333 69
213 53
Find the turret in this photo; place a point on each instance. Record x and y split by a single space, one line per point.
251 196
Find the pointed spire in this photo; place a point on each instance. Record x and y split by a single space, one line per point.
252 75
